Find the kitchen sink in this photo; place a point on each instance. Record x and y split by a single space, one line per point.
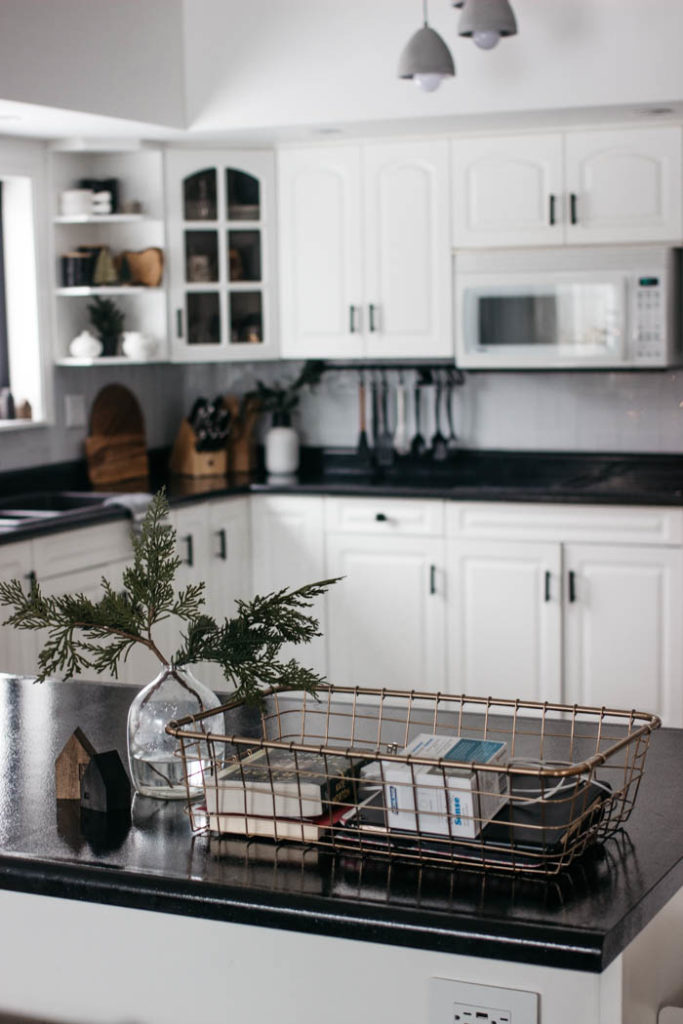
35 507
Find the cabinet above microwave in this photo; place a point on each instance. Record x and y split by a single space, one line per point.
582 307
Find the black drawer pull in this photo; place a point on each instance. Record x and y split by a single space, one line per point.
432 579
179 323
223 545
551 211
572 586
572 208
546 592
381 518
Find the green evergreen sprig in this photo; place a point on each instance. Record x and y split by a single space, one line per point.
86 635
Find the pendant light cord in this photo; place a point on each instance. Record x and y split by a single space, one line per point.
424 12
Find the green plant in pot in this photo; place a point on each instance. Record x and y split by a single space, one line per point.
86 636
280 400
107 320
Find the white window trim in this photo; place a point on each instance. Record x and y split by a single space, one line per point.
23 170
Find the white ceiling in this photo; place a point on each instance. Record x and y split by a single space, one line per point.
261 71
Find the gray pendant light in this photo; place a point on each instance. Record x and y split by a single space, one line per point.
486 21
426 58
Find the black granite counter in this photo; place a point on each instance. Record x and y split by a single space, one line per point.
581 920
548 477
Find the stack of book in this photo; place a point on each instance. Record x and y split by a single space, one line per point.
282 794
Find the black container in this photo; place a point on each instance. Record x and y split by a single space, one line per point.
77 269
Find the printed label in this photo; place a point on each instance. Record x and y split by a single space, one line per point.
393 799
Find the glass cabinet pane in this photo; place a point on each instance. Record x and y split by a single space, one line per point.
200 195
246 318
244 255
244 195
201 256
203 318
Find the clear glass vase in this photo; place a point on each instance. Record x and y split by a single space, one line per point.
155 764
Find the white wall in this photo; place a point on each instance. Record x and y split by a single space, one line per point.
266 63
121 59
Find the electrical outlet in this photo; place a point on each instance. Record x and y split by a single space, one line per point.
461 1002
74 411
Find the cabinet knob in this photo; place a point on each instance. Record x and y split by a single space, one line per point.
381 518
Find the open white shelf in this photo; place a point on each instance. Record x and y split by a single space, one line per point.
106 289
102 218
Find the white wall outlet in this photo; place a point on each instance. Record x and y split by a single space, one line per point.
461 1002
74 411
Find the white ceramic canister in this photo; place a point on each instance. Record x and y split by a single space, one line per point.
85 346
281 447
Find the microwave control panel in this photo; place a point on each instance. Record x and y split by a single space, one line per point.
649 338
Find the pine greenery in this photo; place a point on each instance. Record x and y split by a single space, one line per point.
85 635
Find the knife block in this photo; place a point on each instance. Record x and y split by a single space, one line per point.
187 461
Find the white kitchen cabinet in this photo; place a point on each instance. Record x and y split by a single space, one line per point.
221 224
626 185
623 614
507 190
505 619
288 550
18 647
608 632
364 251
387 615
576 187
320 232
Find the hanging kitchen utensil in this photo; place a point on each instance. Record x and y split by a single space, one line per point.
439 443
385 445
374 403
401 439
452 444
418 445
363 449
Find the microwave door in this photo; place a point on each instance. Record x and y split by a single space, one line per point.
559 320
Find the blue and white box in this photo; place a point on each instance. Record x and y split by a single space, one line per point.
449 801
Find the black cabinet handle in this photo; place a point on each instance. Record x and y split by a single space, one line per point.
432 579
551 210
190 550
31 579
179 322
572 208
381 518
546 588
352 319
572 586
371 317
223 545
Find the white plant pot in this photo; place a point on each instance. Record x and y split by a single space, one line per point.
282 451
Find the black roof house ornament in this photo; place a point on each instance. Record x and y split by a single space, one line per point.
105 786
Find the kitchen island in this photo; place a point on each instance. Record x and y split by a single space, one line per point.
150 923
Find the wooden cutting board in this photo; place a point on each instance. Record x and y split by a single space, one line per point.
116 449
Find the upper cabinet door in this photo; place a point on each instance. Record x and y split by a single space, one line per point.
407 248
624 186
221 211
321 291
507 191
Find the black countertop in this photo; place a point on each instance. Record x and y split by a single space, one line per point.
547 477
581 920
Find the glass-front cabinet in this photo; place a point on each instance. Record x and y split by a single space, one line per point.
221 208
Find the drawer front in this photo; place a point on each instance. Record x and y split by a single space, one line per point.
597 524
385 516
57 554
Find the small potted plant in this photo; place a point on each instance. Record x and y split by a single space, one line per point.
280 400
107 320
86 636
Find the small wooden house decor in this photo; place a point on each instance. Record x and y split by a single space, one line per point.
105 786
70 765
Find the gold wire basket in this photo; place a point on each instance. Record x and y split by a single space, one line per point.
329 770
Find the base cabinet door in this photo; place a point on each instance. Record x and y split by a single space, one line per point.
18 647
387 615
288 550
505 619
623 618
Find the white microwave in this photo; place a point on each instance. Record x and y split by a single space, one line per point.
572 307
